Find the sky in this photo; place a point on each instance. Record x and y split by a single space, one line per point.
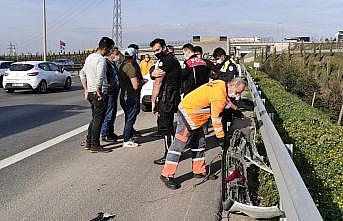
81 23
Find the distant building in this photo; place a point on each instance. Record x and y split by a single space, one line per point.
245 40
339 36
298 39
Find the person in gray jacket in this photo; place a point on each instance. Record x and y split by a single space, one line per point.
94 82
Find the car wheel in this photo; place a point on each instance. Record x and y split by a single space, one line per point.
9 90
67 84
43 87
145 108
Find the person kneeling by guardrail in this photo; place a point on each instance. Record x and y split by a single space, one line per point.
207 101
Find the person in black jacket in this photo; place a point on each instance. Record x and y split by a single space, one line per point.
196 71
112 75
166 92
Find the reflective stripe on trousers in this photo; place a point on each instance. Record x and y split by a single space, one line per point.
195 139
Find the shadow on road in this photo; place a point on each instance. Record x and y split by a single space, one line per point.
15 119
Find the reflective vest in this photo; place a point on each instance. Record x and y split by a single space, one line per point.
207 101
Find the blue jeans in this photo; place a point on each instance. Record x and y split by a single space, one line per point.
131 110
107 129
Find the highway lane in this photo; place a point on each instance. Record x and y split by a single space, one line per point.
66 182
28 119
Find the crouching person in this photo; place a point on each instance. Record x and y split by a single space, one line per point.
207 101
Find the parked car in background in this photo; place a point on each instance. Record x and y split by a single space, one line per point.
35 75
4 65
64 62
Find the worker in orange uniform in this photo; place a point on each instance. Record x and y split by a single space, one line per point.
207 101
146 64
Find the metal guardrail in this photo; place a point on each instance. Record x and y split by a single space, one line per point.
296 201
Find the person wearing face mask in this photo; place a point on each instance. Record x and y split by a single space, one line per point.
166 92
94 82
227 68
130 85
197 107
196 71
112 74
146 64
199 52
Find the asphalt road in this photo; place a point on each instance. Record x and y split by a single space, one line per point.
65 182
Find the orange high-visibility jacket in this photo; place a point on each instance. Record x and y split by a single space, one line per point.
208 100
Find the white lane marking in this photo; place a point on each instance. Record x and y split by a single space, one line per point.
40 147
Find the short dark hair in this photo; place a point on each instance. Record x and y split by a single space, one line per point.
106 42
188 46
218 52
133 46
160 41
198 49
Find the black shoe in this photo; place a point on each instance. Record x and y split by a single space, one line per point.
114 136
170 182
203 175
199 175
109 139
99 149
87 146
136 133
160 161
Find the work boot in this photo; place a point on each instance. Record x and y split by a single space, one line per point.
160 161
170 182
98 148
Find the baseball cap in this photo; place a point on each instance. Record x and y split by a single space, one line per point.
129 52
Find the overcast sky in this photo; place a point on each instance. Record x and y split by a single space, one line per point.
80 23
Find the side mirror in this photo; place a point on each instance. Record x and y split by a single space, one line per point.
61 69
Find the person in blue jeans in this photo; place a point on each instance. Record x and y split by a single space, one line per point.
112 74
130 85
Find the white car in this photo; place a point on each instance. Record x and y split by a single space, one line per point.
146 93
4 65
35 75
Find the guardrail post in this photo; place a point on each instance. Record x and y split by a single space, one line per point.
271 115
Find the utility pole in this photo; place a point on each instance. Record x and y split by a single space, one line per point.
45 49
117 32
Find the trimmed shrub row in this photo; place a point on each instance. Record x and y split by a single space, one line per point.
318 148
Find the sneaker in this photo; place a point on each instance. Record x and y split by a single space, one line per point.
98 149
160 161
130 143
109 139
170 182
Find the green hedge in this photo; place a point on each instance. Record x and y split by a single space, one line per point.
318 146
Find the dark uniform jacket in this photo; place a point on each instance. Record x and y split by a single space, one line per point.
195 74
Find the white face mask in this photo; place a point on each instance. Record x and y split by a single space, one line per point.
219 61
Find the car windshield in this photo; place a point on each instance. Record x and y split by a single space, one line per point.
5 65
21 67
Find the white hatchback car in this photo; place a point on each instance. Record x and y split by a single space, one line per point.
35 75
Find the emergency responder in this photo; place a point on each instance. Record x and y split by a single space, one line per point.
207 101
199 52
166 92
227 68
196 71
